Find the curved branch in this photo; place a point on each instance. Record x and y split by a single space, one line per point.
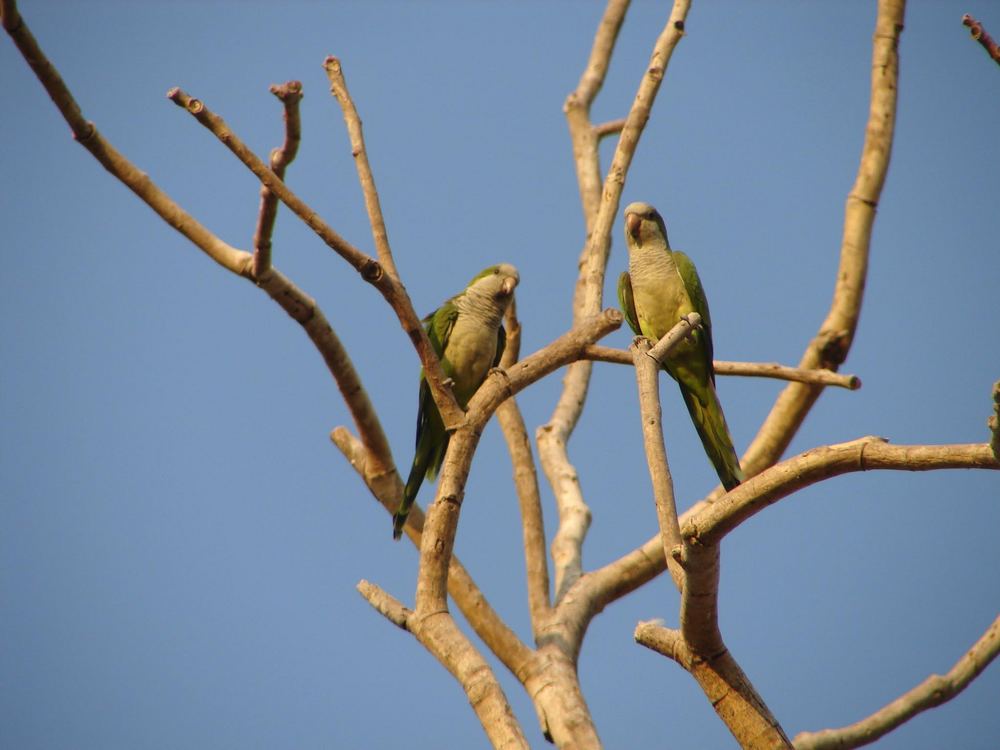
290 94
86 134
865 454
932 692
830 346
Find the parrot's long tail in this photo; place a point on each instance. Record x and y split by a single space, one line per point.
413 482
714 433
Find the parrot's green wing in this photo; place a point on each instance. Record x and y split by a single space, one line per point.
627 303
438 326
689 275
501 345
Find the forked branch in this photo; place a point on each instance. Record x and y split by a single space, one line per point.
370 269
290 95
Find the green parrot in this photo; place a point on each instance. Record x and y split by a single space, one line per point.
469 338
660 286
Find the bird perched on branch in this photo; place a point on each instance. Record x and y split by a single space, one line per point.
660 287
469 338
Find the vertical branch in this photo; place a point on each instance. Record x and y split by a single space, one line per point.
370 269
338 87
583 134
526 484
574 515
552 438
290 95
647 378
830 346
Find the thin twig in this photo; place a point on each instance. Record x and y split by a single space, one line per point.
290 94
369 268
774 370
338 87
980 35
612 127
386 604
932 692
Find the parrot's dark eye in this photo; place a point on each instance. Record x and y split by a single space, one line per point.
496 271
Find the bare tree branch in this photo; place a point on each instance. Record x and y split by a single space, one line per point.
530 502
439 634
338 87
932 692
385 604
829 348
647 378
717 519
552 438
442 516
87 135
301 307
583 135
469 598
290 94
369 268
614 356
663 640
612 127
980 35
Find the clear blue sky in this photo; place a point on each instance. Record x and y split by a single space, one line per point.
179 541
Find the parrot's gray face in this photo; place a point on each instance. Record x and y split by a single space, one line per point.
500 283
643 223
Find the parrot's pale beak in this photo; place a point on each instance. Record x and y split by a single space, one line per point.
508 285
632 225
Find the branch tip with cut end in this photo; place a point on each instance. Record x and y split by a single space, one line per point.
385 604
